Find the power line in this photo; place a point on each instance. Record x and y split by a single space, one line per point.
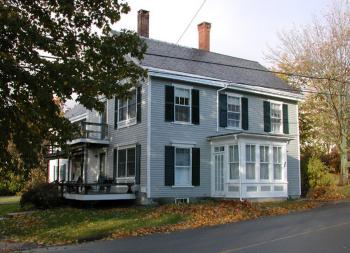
264 86
195 15
241 67
247 68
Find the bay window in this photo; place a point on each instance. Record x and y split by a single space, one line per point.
264 162
234 162
277 163
250 162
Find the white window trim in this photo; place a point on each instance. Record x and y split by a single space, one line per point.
234 95
283 164
257 174
240 110
126 163
190 173
229 180
128 121
99 163
281 125
179 86
268 163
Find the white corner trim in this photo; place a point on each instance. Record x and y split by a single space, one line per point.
149 108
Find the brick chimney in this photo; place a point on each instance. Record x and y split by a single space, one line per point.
143 23
204 36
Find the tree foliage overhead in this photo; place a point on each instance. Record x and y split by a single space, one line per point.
322 49
83 57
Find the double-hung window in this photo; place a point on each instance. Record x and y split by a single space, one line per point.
127 110
183 166
277 163
234 162
276 118
264 162
250 162
233 112
182 104
126 162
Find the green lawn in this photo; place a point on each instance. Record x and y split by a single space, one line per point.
10 199
68 225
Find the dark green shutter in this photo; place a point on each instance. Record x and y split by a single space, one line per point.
115 163
285 119
115 112
245 120
138 97
196 160
267 117
138 164
223 110
169 103
195 107
169 165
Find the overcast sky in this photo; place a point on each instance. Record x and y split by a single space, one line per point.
240 28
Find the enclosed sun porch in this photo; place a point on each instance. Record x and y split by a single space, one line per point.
83 171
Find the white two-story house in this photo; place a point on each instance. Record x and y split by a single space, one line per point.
202 125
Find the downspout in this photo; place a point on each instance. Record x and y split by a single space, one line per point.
217 107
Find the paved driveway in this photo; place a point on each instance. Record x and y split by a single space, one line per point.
320 230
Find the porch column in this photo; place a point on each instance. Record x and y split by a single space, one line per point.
58 169
85 162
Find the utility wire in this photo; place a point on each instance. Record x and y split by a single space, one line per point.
247 68
195 15
264 86
240 67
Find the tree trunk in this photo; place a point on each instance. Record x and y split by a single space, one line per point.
344 171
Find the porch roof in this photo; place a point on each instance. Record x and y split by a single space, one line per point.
280 137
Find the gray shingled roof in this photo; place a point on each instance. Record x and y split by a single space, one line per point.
232 74
77 109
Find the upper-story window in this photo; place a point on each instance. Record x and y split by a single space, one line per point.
276 118
127 110
182 104
233 112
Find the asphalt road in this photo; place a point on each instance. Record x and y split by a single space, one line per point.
326 229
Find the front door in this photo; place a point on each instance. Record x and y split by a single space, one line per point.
219 164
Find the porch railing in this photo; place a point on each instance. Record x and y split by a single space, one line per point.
91 130
93 188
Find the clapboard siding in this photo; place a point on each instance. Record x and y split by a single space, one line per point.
165 133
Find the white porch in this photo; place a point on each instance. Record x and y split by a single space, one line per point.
98 196
249 166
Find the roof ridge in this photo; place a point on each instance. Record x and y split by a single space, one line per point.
209 52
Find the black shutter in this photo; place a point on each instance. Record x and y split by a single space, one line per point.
195 107
169 165
196 160
115 112
138 97
267 117
169 103
245 120
138 164
285 119
223 110
115 163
